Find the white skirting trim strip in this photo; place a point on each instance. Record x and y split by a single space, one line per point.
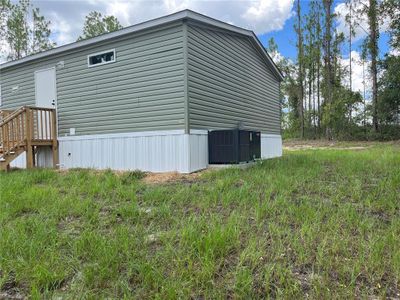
271 145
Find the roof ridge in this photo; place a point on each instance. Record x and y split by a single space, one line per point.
180 15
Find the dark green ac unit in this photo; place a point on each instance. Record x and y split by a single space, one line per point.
233 146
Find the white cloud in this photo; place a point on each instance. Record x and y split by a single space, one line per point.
176 5
62 30
394 52
120 10
276 56
3 53
359 20
265 15
359 72
67 17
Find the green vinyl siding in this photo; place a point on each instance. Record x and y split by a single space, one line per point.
142 90
229 83
177 76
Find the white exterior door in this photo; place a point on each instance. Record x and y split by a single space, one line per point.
45 88
46 97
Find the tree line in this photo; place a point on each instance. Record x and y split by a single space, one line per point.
318 97
24 31
317 94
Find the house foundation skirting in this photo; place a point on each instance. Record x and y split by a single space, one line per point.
271 145
153 151
43 157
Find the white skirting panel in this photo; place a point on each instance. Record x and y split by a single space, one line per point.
44 158
19 162
162 151
271 145
198 155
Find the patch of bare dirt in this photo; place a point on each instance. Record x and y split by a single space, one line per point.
9 289
296 144
153 178
172 177
293 145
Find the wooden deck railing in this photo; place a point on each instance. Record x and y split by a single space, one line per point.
4 113
13 133
43 122
26 127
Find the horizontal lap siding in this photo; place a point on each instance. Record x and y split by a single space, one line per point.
229 83
142 90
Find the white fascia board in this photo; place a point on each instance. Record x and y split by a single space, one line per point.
213 22
269 59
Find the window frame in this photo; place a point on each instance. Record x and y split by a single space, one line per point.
102 63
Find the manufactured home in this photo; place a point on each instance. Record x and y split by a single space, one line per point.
145 97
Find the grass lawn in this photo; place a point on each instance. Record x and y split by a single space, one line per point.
320 223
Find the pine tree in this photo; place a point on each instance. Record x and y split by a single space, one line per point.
391 10
95 24
370 46
328 70
23 30
372 13
300 63
40 33
350 23
313 59
318 46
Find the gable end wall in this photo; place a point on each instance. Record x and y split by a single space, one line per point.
229 83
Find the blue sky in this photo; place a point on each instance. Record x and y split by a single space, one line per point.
286 37
267 18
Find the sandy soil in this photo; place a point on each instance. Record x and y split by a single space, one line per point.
292 145
172 177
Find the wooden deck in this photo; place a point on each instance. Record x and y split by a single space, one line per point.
25 130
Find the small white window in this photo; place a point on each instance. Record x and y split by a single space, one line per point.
101 58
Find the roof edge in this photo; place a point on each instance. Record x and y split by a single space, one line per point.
104 37
181 15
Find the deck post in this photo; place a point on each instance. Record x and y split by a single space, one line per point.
29 150
54 147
